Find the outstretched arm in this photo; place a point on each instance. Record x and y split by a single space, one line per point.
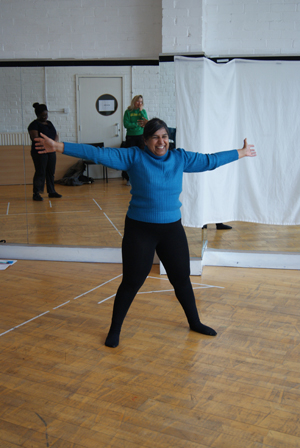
247 150
117 158
45 144
197 162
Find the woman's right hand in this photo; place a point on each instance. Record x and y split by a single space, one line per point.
142 122
44 145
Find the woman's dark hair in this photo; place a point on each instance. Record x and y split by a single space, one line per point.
39 108
153 125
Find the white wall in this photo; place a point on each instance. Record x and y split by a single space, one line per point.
181 26
90 29
10 99
80 29
251 27
146 82
167 103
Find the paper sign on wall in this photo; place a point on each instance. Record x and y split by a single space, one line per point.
106 105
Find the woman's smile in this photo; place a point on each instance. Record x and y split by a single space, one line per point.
158 143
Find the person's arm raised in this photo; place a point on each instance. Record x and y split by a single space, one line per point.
247 150
44 145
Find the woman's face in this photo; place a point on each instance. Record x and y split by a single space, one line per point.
43 116
158 143
138 104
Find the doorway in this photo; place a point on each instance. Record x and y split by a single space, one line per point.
100 114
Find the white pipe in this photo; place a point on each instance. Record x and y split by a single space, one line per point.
45 85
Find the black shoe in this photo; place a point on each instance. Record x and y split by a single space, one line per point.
37 197
54 195
222 226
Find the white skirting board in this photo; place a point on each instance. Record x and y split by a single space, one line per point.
63 253
251 259
243 259
211 257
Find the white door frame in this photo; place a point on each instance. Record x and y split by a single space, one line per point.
78 101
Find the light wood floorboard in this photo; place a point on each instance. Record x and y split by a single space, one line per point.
163 386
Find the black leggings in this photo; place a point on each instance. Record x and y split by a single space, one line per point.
44 170
135 140
138 248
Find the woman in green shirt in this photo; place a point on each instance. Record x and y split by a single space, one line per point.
135 118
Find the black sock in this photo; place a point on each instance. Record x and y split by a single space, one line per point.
186 298
203 329
112 339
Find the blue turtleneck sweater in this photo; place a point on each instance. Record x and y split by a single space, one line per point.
156 180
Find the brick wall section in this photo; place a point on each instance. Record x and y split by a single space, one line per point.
145 81
10 100
167 109
80 29
252 27
83 29
181 26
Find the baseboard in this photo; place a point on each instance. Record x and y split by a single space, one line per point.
251 259
63 253
243 259
211 257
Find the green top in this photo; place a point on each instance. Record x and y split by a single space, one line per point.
131 118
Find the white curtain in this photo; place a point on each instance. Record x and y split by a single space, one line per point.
218 105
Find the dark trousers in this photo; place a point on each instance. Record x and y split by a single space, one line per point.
44 171
138 248
133 140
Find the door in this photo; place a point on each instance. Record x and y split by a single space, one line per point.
100 113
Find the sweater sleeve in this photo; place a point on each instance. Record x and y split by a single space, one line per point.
127 122
117 158
196 162
144 114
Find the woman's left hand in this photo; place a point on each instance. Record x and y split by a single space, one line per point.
247 150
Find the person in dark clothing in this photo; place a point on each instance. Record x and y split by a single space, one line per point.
45 165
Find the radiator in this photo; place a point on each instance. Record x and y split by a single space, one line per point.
14 138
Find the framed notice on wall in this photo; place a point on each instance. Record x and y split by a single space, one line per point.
106 104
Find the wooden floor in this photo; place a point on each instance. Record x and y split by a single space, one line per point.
93 215
164 386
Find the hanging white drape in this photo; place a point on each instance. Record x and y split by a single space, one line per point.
218 105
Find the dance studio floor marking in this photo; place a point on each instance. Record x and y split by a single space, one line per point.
201 286
197 286
107 217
